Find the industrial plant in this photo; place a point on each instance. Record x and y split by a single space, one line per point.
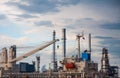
79 66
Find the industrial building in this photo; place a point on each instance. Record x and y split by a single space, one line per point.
79 66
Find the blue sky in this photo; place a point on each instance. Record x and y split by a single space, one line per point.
31 22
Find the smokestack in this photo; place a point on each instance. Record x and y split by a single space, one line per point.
38 63
64 42
54 53
90 45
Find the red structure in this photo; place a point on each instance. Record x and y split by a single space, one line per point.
70 65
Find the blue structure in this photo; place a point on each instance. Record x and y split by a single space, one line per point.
26 67
86 56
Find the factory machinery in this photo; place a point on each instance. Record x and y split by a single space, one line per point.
79 66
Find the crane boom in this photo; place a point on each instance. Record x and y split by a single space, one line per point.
33 51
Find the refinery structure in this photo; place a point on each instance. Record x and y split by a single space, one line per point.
79 66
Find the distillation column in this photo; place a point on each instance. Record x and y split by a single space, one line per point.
38 63
105 61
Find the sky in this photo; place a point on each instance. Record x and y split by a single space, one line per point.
31 23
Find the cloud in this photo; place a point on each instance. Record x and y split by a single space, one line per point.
107 2
2 17
8 41
111 43
41 6
26 16
101 37
44 23
78 23
115 26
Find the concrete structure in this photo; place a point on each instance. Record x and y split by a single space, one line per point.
12 55
4 58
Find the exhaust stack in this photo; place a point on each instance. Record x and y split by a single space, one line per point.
64 42
54 53
90 45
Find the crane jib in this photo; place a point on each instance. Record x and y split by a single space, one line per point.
33 51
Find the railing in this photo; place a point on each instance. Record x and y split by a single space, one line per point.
41 75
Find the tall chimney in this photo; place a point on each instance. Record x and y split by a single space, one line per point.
54 53
64 42
90 45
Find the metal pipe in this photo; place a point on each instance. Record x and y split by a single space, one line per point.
90 45
78 48
78 37
64 42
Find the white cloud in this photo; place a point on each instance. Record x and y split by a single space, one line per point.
8 41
